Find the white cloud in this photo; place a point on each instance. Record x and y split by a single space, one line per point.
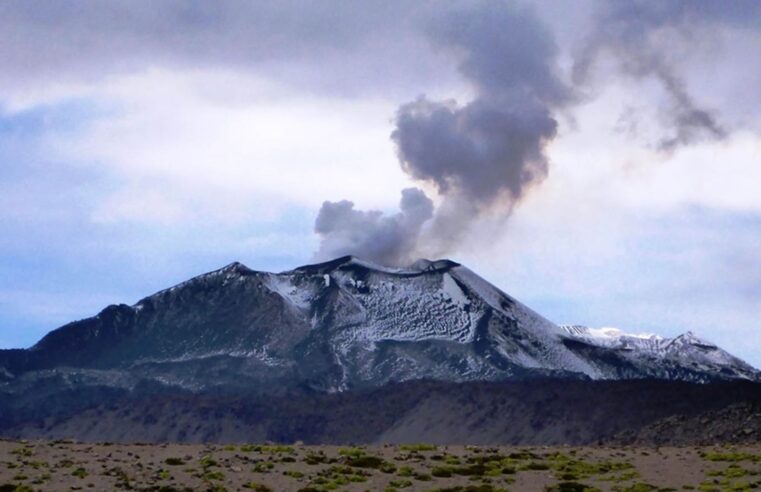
228 147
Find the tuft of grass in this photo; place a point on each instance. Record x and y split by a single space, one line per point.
400 484
263 467
365 461
316 458
470 488
335 477
351 452
23 451
213 475
535 466
570 487
638 487
523 456
265 449
64 464
257 487
418 447
11 487
207 461
732 457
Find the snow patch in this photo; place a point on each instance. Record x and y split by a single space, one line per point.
283 285
609 333
453 292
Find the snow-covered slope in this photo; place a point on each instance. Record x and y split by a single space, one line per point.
683 357
344 324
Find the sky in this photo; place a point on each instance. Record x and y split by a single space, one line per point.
599 161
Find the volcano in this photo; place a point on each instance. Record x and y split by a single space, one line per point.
338 327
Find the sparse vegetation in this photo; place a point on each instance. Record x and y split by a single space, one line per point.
263 467
257 487
731 457
418 447
571 487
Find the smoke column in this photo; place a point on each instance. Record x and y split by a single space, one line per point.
641 36
481 156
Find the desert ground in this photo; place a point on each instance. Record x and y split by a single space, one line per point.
66 465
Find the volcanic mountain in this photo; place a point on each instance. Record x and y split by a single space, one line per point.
342 325
348 351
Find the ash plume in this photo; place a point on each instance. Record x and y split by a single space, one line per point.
370 234
641 35
481 156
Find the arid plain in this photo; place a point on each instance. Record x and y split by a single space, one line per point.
67 465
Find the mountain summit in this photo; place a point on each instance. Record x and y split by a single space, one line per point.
341 325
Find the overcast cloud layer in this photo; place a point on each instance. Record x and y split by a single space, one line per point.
599 160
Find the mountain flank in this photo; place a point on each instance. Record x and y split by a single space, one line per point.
300 354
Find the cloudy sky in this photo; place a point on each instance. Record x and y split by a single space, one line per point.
600 161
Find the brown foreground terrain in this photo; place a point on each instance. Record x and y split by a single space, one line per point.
66 465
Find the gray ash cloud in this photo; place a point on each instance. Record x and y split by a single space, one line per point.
642 36
481 156
388 239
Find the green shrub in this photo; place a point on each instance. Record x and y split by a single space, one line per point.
351 452
213 475
470 488
12 487
638 487
418 447
263 467
731 457
570 487
257 487
423 477
207 461
23 451
364 461
522 455
400 484
315 459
